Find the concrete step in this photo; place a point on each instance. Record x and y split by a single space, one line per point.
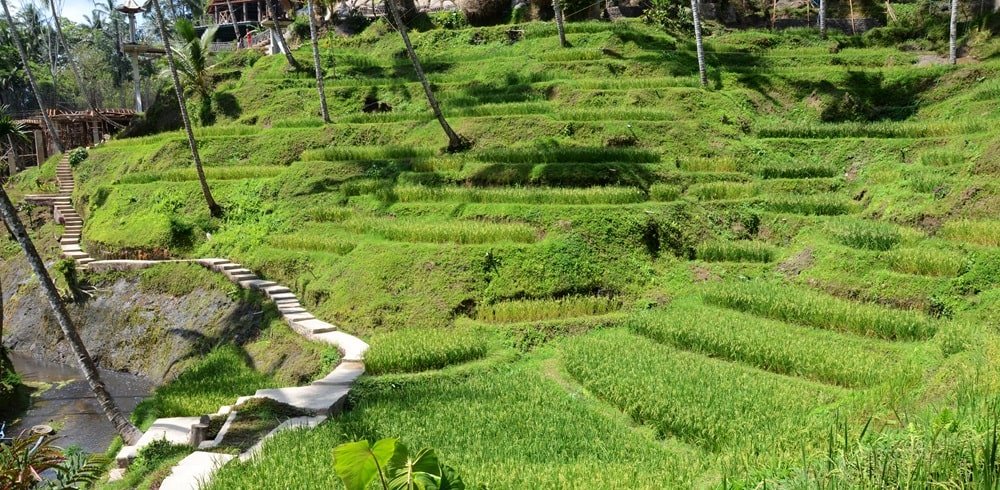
76 255
194 470
296 317
313 327
283 296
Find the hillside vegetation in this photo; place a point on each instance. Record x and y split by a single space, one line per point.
791 277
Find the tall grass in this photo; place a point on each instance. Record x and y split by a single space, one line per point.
771 345
813 205
869 129
703 401
712 191
568 155
709 165
311 243
984 232
664 192
739 251
547 309
798 171
810 308
941 158
523 195
351 153
459 232
417 349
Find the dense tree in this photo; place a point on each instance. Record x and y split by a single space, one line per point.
31 77
699 46
316 62
455 142
213 207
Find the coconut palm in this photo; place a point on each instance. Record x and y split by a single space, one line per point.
280 37
9 129
108 8
213 207
191 57
31 77
822 19
699 46
128 432
455 142
560 27
319 68
953 34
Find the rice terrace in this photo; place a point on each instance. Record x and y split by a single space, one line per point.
259 244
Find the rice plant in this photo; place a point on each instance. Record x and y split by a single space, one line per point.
814 309
941 158
413 349
799 171
709 165
211 173
664 192
771 345
458 232
547 309
713 191
311 243
867 235
735 251
524 195
818 205
925 262
884 129
691 396
352 153
567 155
984 232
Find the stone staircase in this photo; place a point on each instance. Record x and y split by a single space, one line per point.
323 398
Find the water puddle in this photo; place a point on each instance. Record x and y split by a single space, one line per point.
65 402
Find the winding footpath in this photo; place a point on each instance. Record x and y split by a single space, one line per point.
324 397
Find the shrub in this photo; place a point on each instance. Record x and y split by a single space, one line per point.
77 155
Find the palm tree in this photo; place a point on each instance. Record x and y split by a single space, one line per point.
455 142
822 19
213 208
557 8
192 57
953 34
236 28
280 37
696 16
128 432
9 129
31 77
108 8
319 68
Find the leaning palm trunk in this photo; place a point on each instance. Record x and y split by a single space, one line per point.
125 429
455 142
953 34
213 207
31 78
319 68
280 37
236 28
560 26
822 19
74 68
696 16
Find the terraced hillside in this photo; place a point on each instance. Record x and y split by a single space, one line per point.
627 278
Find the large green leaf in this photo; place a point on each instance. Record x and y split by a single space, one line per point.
358 463
414 472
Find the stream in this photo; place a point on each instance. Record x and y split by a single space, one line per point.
69 406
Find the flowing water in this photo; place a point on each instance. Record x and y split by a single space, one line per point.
69 406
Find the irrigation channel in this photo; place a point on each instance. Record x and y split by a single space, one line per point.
63 400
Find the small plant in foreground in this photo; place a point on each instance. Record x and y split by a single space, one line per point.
868 235
77 155
744 251
391 464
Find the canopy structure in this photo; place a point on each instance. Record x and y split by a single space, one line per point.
131 7
75 128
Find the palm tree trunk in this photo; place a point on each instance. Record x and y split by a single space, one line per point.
129 433
696 16
560 27
455 142
319 68
822 19
281 37
213 207
236 27
31 77
953 34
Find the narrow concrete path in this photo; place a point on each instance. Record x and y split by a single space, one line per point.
323 397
